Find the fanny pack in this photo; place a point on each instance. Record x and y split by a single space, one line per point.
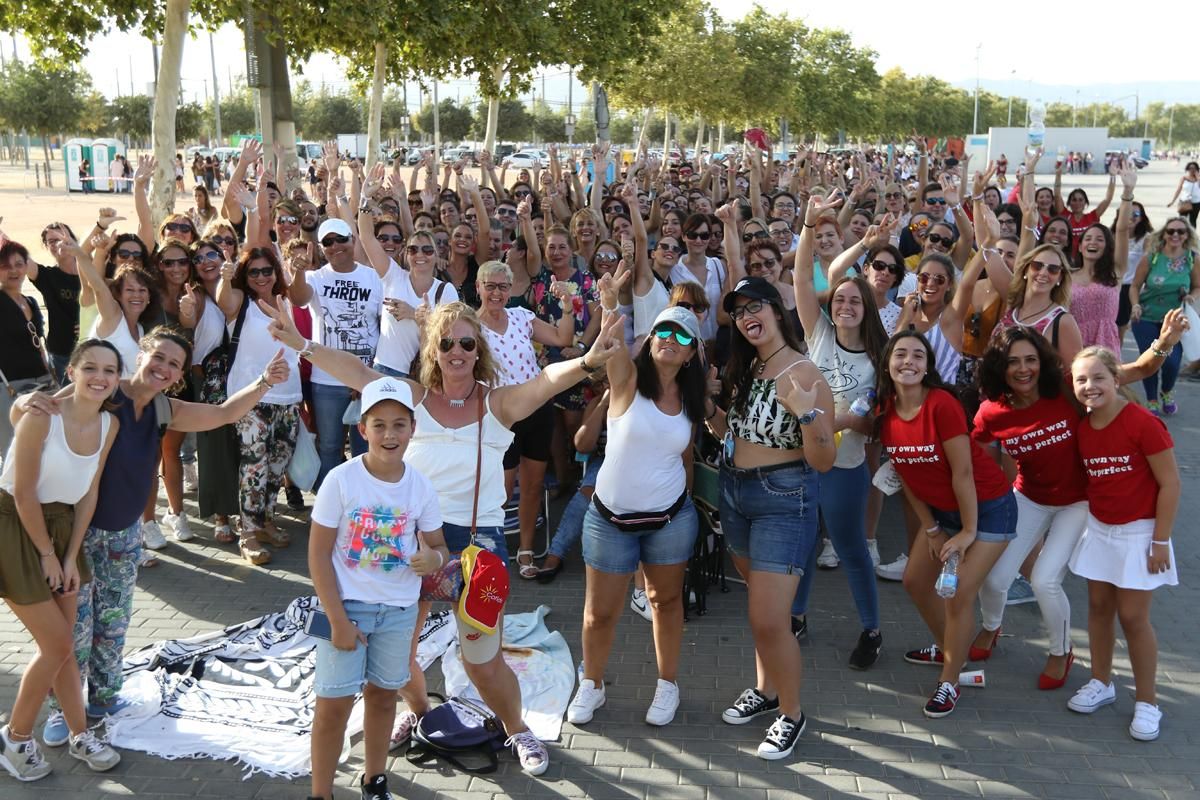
639 521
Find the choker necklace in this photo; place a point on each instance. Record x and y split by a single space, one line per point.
460 403
762 365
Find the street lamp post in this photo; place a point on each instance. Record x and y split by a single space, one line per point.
975 122
1012 77
570 126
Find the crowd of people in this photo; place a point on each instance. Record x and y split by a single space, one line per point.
823 329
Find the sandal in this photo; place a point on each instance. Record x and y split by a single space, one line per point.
548 574
223 531
253 552
526 571
272 535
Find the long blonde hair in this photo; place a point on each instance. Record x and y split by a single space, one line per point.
439 323
1060 294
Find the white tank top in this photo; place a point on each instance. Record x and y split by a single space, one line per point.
647 307
255 350
207 334
123 340
643 458
446 456
65 476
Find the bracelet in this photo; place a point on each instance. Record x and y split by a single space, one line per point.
1158 353
308 349
713 414
976 197
101 227
809 226
934 531
442 559
956 207
589 370
1125 199
47 555
1031 229
263 383
1163 542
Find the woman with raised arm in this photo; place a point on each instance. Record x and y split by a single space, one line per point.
457 412
1188 193
123 302
1096 271
1075 210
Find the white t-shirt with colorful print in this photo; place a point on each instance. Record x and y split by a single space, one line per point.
377 524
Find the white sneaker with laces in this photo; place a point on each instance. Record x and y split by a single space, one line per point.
22 759
1146 719
641 604
152 536
178 525
96 754
893 571
530 751
191 482
1091 696
666 703
781 737
587 699
829 557
873 549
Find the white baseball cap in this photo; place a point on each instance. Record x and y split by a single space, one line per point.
334 225
386 389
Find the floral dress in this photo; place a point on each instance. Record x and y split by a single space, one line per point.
548 309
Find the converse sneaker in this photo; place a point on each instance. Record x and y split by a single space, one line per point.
96 754
177 524
530 752
666 703
749 705
376 788
942 703
781 738
893 571
55 732
1091 696
926 655
829 557
22 759
1020 591
641 604
585 702
152 536
866 652
406 723
873 549
1146 718
191 482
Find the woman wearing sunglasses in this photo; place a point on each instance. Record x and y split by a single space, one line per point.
1165 277
937 309
696 265
1140 230
1036 293
458 411
874 257
778 434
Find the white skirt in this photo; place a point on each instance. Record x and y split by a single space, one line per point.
1117 554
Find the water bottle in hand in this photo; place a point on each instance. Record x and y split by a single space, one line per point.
947 580
862 404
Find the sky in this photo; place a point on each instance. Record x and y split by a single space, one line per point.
1062 54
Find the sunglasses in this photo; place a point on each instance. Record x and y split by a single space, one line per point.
893 195
467 343
766 263
926 277
671 248
228 241
1038 266
1175 232
682 338
746 237
178 227
525 193
753 307
210 255
881 266
937 238
260 272
333 239
424 249
506 212
935 201
287 219
697 235
175 262
497 287
127 255
611 257
384 238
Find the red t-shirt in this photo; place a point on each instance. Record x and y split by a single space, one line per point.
1078 226
1042 439
915 449
1121 487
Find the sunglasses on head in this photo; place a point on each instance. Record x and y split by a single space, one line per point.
260 272
287 219
123 254
753 307
334 238
1175 231
926 277
1038 266
467 343
178 227
384 238
682 338
937 201
175 262
424 249
937 238
746 237
670 248
699 235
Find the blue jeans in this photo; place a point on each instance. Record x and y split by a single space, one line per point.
843 498
769 515
996 519
383 369
608 549
329 404
382 662
1146 332
570 525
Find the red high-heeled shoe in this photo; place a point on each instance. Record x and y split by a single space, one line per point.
1046 683
981 653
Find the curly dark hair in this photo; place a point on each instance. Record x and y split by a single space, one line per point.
993 366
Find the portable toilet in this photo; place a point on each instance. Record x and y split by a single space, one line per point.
104 152
74 152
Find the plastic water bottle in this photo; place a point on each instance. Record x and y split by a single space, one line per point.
863 403
947 581
1035 136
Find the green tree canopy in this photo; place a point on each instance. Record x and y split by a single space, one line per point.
454 121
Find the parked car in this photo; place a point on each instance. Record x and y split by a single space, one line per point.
415 154
453 154
502 152
528 159
224 154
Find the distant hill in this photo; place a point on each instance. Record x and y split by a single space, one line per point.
1148 92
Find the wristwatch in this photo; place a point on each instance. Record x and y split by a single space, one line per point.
808 416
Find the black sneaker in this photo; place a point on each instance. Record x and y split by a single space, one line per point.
295 498
866 652
781 738
800 627
943 701
749 705
376 789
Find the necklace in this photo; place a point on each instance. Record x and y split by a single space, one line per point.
460 403
762 365
1017 315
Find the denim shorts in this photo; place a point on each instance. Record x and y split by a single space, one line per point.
997 519
490 538
769 515
607 549
383 661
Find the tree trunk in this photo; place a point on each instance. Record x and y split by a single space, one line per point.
642 131
721 136
699 133
166 100
375 114
493 118
667 135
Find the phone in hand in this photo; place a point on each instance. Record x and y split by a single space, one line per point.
318 625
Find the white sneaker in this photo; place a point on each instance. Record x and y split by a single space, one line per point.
873 549
23 760
177 524
585 702
641 604
191 481
1091 696
666 703
893 571
1146 717
152 536
96 754
828 558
